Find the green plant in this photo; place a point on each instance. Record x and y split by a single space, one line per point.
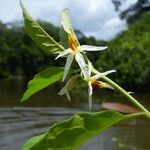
71 133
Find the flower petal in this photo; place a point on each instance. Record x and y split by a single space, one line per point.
92 48
68 87
89 69
80 60
67 65
65 21
65 52
90 91
65 91
62 91
100 75
68 96
106 85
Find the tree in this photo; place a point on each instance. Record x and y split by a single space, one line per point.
134 10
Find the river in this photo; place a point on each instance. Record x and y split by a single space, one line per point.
21 121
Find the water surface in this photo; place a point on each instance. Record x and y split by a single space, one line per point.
20 121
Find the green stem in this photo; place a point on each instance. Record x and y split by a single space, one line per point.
121 90
126 94
130 116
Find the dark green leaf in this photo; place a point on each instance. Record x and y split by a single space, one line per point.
38 35
70 134
42 80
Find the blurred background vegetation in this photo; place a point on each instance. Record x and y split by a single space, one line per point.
128 53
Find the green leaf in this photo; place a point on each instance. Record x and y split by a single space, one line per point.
42 80
38 35
70 134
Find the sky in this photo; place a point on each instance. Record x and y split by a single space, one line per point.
96 18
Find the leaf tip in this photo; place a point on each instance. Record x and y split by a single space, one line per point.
22 100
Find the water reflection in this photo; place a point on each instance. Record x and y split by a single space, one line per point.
18 122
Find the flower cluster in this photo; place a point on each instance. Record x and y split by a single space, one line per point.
77 52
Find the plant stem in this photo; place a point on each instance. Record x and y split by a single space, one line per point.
126 94
121 90
135 115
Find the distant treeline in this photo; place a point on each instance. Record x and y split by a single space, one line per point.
129 53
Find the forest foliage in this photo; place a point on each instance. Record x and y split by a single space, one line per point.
128 53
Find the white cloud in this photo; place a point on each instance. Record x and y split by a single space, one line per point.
113 22
93 17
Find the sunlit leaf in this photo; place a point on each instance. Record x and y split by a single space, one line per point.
42 80
38 35
70 134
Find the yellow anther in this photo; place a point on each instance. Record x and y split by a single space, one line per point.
98 84
72 42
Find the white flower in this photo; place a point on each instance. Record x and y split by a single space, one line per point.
68 87
93 82
75 52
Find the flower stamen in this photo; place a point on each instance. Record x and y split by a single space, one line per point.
98 84
72 43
